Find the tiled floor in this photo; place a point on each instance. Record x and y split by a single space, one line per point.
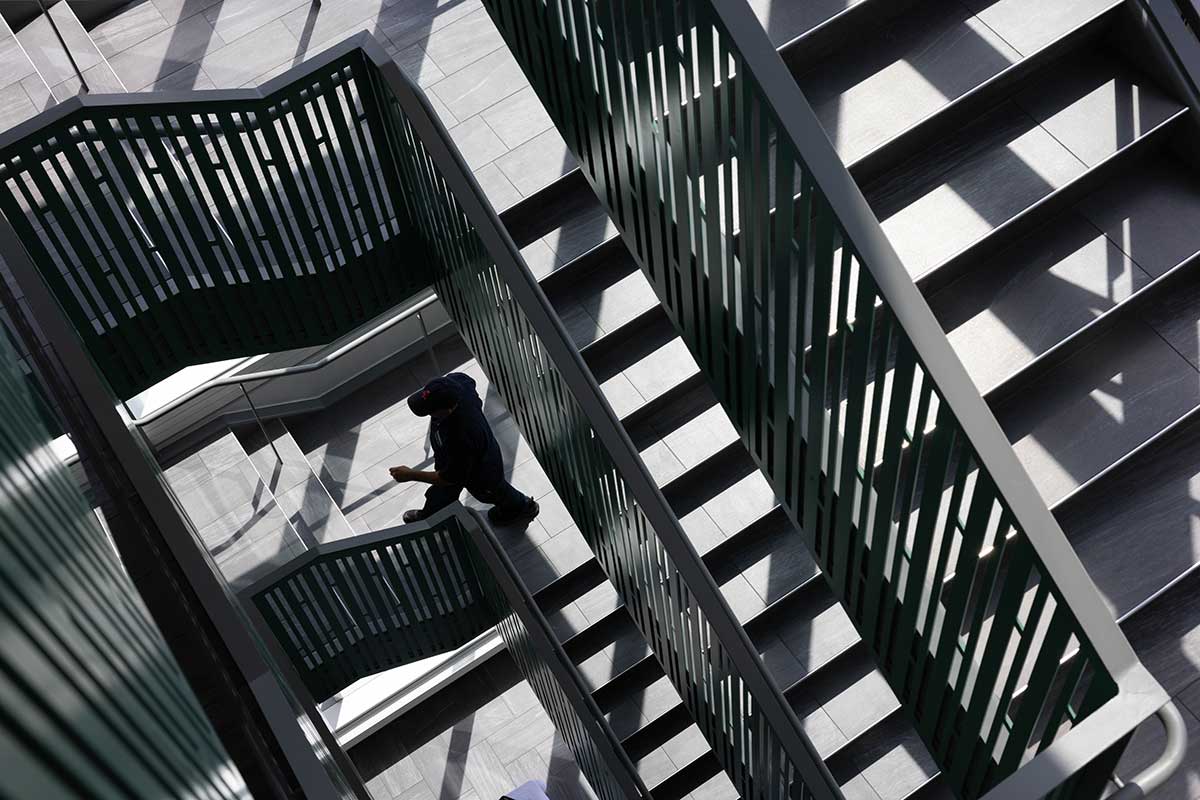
484 739
450 47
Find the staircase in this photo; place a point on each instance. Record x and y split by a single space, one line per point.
1030 162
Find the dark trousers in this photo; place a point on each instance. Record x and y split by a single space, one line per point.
503 496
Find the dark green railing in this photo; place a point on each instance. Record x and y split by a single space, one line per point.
448 231
94 704
373 603
843 387
522 347
362 605
183 231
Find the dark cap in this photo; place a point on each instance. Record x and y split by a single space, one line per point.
439 393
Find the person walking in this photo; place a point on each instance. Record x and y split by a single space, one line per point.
466 454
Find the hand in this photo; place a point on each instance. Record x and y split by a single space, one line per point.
401 474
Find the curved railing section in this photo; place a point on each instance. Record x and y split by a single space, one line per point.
184 229
364 604
844 388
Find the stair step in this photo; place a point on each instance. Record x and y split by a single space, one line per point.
297 489
1022 151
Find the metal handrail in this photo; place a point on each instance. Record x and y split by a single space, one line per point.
470 534
1155 775
729 636
614 87
241 379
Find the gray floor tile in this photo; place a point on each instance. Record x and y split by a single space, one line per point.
486 772
916 67
662 463
313 514
134 23
741 504
14 64
405 25
417 64
175 11
1029 25
42 44
320 22
662 370
250 57
247 525
858 789
167 52
496 187
953 197
538 162
183 80
477 142
518 118
1153 215
1137 533
566 550
784 20
718 787
15 106
702 532
1096 105
1018 305
222 493
585 230
1099 406
187 473
463 41
482 84
815 641
701 437
861 704
38 92
443 771
655 767
899 771
352 452
775 567
233 19
1176 317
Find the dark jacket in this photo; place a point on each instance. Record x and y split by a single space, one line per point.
465 451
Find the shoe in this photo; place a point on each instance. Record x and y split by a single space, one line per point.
413 515
498 517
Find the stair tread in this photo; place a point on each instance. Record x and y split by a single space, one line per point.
957 191
902 74
1134 529
1101 404
1030 297
784 21
1029 25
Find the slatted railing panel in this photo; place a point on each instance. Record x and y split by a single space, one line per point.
346 613
713 195
94 705
766 755
365 604
191 231
551 674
